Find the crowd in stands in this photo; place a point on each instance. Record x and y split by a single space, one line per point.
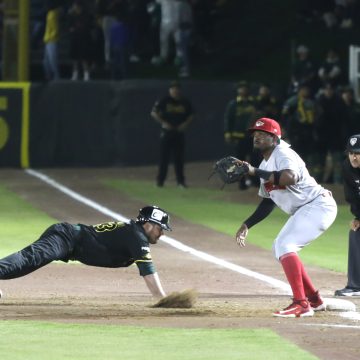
342 14
111 34
318 113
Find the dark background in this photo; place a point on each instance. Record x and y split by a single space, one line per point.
107 122
253 40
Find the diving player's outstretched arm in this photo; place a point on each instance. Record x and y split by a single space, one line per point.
153 283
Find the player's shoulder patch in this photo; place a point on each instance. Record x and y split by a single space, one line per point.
145 248
147 256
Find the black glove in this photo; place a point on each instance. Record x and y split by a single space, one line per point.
229 169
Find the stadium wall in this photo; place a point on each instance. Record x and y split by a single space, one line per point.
106 123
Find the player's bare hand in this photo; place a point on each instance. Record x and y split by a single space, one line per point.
355 225
241 235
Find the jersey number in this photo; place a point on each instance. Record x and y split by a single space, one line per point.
109 226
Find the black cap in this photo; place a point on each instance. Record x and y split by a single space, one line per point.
353 144
154 214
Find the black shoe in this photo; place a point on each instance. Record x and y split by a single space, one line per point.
347 292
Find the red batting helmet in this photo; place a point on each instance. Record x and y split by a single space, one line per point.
268 125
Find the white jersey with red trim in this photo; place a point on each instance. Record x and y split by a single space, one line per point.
292 197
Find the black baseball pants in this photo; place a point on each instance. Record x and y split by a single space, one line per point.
56 243
172 145
354 260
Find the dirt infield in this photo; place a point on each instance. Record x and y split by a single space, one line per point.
77 293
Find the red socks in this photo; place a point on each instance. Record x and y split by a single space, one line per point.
307 283
297 277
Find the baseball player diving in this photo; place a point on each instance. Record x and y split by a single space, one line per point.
285 182
111 244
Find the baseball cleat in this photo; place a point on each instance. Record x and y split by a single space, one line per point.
347 292
299 308
316 302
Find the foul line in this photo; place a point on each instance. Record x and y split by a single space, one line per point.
170 241
352 315
339 326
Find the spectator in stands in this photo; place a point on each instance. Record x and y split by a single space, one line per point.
332 134
37 21
352 110
98 43
80 27
107 11
119 48
329 17
330 70
239 115
342 14
309 10
300 116
266 104
303 72
176 25
183 33
154 12
206 14
138 25
51 39
168 27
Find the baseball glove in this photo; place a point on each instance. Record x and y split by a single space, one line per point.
184 299
229 170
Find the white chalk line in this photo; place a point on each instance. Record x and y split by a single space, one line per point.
340 326
353 315
175 243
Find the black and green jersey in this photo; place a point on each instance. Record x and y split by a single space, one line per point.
114 244
174 111
111 244
239 114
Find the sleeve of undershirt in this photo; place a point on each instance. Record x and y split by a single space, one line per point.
264 209
145 268
140 251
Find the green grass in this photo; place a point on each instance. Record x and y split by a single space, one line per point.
206 207
39 340
20 223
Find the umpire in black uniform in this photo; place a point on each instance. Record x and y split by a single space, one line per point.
351 179
111 245
174 113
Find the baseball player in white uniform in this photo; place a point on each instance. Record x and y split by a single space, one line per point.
286 182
